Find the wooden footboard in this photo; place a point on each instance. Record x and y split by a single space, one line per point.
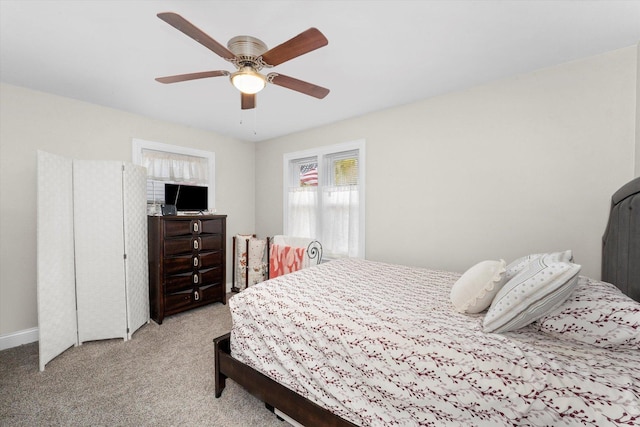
269 391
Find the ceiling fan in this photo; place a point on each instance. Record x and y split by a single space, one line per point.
250 55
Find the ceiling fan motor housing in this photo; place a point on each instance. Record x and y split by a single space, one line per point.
248 51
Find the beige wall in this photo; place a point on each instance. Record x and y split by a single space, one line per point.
522 165
31 121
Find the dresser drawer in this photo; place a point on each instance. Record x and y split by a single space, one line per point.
185 245
212 226
181 301
192 227
179 282
191 262
210 259
180 228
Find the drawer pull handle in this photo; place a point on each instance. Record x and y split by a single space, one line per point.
196 227
196 246
195 261
196 296
195 278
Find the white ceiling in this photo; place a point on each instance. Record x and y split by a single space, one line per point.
380 53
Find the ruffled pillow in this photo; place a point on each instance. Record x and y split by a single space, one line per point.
596 313
475 289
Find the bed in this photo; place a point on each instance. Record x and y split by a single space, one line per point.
344 343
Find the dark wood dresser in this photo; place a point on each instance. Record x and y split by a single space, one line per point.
186 263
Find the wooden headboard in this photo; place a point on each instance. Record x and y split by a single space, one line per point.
621 241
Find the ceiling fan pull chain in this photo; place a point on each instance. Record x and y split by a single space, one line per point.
255 121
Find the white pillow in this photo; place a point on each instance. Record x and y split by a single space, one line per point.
475 289
538 289
519 264
596 313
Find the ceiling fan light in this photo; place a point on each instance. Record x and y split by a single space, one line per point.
248 81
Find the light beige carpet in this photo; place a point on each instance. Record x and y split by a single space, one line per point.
163 376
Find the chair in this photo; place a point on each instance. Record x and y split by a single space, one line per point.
286 254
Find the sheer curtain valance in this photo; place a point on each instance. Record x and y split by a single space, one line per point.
164 166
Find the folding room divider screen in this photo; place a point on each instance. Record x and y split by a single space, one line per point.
92 252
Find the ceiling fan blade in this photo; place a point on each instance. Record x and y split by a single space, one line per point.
298 85
192 76
304 42
195 33
248 101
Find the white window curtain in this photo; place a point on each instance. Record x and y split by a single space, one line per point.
302 212
340 209
324 197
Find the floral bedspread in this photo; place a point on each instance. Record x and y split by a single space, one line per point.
380 345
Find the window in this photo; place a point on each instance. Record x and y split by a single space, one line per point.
324 197
167 163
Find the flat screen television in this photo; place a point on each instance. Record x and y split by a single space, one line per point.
187 197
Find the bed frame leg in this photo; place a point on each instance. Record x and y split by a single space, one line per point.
220 344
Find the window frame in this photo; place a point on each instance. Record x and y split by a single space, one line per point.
137 145
319 153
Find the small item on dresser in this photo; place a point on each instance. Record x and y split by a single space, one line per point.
169 210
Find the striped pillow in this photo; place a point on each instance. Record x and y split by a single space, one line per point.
519 264
540 287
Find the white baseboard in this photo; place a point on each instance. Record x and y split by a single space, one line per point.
15 339
28 336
